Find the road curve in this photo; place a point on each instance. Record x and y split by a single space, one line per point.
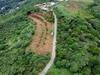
53 54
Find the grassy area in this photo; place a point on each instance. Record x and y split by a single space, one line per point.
86 1
75 7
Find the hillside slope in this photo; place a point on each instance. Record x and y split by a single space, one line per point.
78 40
16 31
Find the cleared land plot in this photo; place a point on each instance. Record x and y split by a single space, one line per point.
42 40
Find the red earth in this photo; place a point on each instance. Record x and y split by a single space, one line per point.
42 39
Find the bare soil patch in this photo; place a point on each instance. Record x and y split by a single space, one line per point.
42 39
73 6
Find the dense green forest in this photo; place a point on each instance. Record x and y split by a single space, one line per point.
16 31
78 40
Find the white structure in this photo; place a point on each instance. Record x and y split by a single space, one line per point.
52 3
45 6
3 8
62 0
52 34
17 8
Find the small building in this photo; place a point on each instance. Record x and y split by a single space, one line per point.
45 6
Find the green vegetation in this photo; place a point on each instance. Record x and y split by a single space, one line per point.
78 41
16 31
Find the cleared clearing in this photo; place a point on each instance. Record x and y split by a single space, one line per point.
42 39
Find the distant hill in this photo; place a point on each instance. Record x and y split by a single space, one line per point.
6 5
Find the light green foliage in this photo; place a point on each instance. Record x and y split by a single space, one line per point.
95 8
16 31
15 36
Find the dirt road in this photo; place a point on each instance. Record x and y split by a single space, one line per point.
53 55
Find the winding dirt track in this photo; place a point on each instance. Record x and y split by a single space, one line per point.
42 40
53 54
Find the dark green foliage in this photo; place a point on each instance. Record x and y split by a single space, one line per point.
78 48
19 61
95 8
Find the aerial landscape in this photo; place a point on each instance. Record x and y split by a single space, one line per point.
49 37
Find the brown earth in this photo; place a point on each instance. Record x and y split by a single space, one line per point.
72 6
42 39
